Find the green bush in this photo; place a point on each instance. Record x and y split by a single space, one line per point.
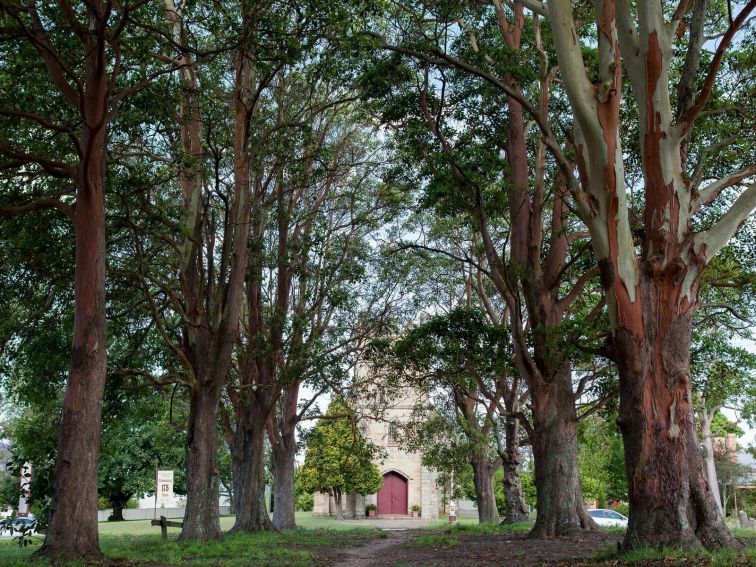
305 502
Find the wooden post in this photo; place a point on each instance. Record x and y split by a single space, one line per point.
164 528
154 510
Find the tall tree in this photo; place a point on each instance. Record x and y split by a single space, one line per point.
651 270
517 203
77 52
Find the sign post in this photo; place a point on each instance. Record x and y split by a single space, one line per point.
154 510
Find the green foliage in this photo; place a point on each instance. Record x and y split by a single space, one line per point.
338 460
721 426
305 502
601 459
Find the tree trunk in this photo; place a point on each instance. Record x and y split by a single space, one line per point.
201 519
560 508
671 503
483 473
248 461
711 469
337 502
515 508
72 528
117 515
283 455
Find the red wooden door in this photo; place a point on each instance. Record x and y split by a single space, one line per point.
392 497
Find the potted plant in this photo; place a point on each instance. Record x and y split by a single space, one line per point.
415 510
370 510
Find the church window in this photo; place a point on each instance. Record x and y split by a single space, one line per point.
393 434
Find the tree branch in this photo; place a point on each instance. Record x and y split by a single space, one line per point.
708 194
54 168
692 114
717 236
35 205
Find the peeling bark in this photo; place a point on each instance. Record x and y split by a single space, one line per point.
201 518
670 499
72 531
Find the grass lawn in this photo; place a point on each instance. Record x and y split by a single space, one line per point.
727 557
137 541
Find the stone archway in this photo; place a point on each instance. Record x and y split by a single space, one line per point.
392 497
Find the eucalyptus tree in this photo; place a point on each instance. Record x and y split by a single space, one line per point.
210 158
651 268
67 71
482 391
307 312
472 69
337 302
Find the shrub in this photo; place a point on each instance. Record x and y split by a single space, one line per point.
305 502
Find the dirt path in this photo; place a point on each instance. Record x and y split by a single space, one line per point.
460 550
371 552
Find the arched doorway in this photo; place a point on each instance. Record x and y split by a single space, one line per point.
392 497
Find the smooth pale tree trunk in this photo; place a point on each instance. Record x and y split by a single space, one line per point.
283 456
560 508
671 501
708 443
201 519
248 461
650 277
483 478
72 528
515 508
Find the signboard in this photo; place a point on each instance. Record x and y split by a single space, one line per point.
164 488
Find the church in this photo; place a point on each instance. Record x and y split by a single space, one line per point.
406 482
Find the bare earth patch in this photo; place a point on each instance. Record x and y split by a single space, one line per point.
461 550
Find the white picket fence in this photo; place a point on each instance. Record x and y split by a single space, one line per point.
147 513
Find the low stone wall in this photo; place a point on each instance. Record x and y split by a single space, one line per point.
149 513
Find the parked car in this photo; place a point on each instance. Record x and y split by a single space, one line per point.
18 525
608 518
